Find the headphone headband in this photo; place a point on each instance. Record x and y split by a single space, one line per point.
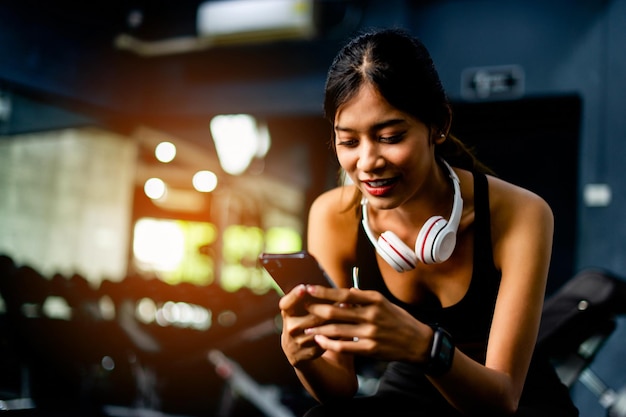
457 207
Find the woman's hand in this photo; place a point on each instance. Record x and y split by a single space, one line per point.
361 322
296 343
324 373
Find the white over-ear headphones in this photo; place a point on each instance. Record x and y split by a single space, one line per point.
435 241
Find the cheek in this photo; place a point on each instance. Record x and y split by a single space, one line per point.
403 157
347 160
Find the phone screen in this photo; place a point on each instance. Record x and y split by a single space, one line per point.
291 269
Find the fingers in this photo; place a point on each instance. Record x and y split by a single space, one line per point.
316 319
295 302
299 301
346 345
298 345
343 295
338 313
342 305
292 298
333 331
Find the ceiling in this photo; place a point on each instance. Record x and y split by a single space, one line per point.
69 52
61 62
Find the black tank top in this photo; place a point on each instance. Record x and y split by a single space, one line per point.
470 319
469 322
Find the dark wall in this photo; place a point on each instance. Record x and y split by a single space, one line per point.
564 47
520 140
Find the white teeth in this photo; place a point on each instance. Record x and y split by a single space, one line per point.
378 183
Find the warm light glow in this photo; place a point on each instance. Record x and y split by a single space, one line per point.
165 152
155 188
159 244
238 139
282 239
204 181
175 250
241 248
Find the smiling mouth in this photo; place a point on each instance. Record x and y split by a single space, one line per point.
380 183
380 188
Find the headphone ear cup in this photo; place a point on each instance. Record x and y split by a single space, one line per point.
393 250
444 244
425 242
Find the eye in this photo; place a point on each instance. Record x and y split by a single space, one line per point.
346 142
391 138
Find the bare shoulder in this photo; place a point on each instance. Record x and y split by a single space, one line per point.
332 207
504 192
511 204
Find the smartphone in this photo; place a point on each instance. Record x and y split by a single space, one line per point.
291 269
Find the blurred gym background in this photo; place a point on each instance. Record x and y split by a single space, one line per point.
151 149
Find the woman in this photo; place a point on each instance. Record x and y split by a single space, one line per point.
452 298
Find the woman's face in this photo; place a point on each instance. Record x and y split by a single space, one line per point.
387 153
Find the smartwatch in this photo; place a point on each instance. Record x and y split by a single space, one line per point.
441 353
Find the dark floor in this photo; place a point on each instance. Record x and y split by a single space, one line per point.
195 391
239 408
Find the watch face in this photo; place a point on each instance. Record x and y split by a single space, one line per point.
445 349
442 352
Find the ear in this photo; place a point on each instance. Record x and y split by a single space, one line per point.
439 137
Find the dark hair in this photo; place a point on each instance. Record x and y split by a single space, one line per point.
400 67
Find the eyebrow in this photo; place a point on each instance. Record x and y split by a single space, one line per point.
376 127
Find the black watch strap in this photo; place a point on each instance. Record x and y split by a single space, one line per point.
441 353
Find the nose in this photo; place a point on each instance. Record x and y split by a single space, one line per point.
370 157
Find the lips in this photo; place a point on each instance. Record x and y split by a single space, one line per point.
379 187
379 183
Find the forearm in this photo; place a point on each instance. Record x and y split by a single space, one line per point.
475 389
327 378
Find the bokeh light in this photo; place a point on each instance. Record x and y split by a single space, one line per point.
155 188
204 181
165 152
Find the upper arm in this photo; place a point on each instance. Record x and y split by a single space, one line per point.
332 234
522 229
